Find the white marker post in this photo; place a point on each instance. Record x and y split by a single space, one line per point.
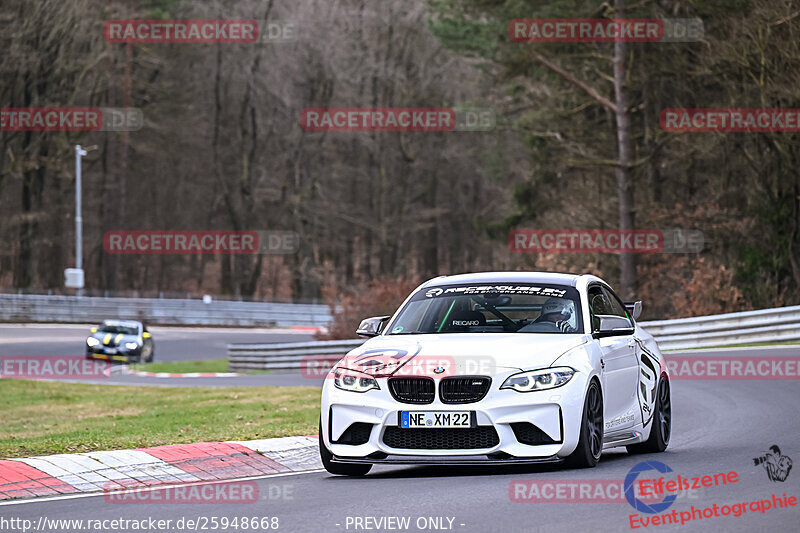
73 277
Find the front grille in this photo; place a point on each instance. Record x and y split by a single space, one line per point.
441 438
463 389
412 390
357 433
527 433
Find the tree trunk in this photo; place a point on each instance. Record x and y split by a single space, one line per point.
624 181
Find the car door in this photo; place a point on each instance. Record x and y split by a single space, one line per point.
619 362
649 369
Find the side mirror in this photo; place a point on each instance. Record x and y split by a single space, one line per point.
611 326
371 327
634 308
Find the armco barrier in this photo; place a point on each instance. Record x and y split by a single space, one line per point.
749 327
286 356
764 326
166 311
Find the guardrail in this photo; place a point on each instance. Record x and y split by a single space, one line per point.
165 311
749 327
764 326
287 356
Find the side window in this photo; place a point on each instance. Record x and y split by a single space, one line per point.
615 307
598 305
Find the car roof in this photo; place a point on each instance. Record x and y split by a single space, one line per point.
123 323
554 278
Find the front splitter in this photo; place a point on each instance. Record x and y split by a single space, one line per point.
454 460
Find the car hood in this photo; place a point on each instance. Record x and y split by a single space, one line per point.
114 339
459 353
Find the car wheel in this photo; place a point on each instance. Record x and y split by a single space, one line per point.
590 441
338 468
662 423
146 355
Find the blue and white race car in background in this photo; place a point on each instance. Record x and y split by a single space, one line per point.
504 367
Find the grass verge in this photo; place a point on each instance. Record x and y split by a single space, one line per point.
184 367
187 367
41 418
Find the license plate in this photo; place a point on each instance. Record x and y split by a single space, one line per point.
435 419
110 350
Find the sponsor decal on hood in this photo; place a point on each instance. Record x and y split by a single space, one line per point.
379 362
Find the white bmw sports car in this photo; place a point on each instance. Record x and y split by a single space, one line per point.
493 368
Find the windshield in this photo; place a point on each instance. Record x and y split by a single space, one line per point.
125 330
518 308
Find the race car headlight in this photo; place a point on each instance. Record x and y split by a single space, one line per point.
91 342
353 381
131 345
533 380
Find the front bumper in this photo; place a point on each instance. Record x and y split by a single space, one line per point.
556 412
99 353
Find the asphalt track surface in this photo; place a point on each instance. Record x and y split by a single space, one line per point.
718 427
172 343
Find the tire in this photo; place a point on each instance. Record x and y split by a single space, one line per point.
339 469
662 422
590 441
147 354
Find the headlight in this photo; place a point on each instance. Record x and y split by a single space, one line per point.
91 342
131 345
353 381
533 380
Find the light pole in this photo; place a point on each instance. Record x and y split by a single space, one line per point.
73 277
79 152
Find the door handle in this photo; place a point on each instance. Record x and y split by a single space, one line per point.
602 363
